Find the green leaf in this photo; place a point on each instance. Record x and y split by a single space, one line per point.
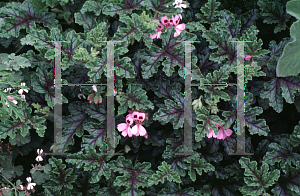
277 88
289 183
198 165
289 62
257 181
19 139
210 13
293 7
60 176
92 6
12 62
91 161
24 17
97 35
135 96
217 77
295 136
53 3
164 171
207 119
272 12
281 153
40 177
136 29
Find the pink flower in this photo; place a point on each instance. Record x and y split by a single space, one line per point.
138 117
165 21
158 31
72 2
125 127
23 3
211 134
138 130
247 58
11 99
178 27
222 132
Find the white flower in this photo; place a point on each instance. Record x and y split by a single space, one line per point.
39 157
30 185
180 4
94 88
8 89
22 90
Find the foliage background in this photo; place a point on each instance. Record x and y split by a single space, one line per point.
153 69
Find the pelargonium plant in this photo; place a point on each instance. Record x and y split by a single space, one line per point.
95 97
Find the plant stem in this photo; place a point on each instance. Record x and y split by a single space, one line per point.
19 49
136 159
119 151
10 183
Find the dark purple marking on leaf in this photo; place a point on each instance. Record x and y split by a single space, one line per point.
128 5
248 20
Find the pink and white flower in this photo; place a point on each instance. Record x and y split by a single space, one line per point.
22 90
137 129
166 22
30 185
178 27
11 99
179 4
211 134
125 127
159 29
40 154
222 134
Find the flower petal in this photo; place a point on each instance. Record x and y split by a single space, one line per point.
121 127
158 34
164 20
134 130
228 132
129 131
220 135
248 58
153 36
180 27
142 130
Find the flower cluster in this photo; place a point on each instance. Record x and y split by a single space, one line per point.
30 186
95 97
20 91
137 129
168 23
40 154
180 4
222 134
